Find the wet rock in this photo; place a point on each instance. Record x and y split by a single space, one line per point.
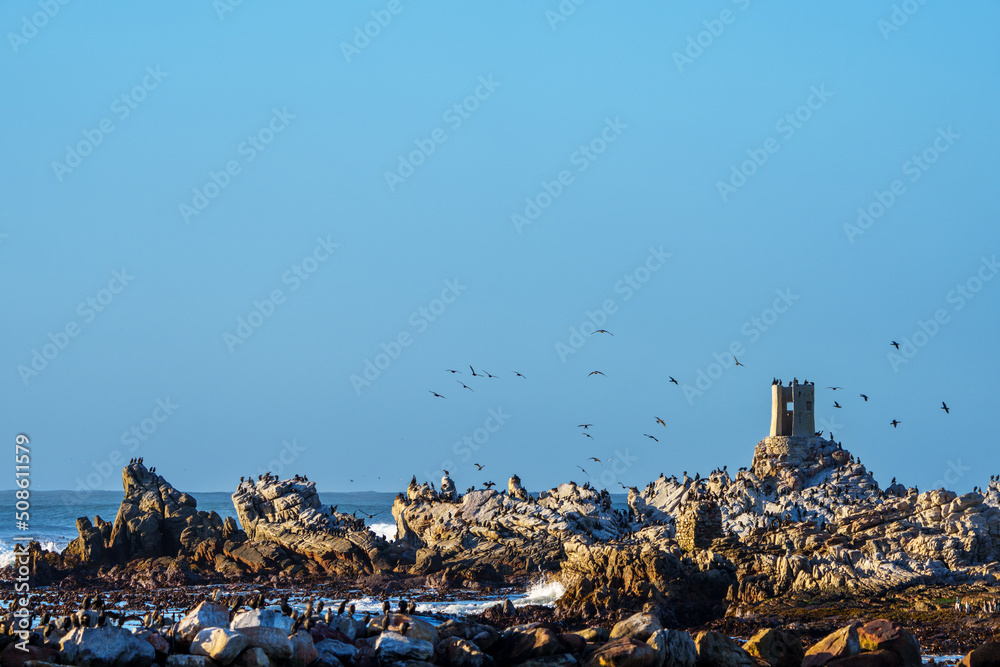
840 644
107 646
717 650
624 652
220 644
393 647
779 648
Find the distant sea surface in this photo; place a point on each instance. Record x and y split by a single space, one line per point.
54 513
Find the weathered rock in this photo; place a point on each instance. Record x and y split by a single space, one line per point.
331 648
522 643
393 647
717 650
269 618
885 635
274 641
840 644
106 646
303 650
984 655
220 644
638 626
418 628
456 652
674 648
624 652
779 648
255 657
206 615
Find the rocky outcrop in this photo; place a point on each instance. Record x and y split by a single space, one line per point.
288 513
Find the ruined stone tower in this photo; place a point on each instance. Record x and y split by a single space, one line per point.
792 409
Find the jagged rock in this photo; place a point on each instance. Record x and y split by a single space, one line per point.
393 647
679 648
779 648
624 652
88 547
717 650
448 492
106 646
220 644
515 490
288 513
884 635
840 644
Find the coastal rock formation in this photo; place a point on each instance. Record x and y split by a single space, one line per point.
288 513
509 533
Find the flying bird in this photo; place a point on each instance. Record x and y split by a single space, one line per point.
594 458
649 436
465 385
584 471
864 397
895 423
473 371
584 426
660 421
894 344
436 394
488 374
602 331
673 380
478 467
595 373
944 406
448 370
737 361
835 388
589 436
519 375
837 405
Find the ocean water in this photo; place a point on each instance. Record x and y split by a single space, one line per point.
53 514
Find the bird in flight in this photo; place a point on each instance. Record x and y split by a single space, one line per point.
837 405
864 397
602 331
448 370
835 388
436 394
673 380
519 375
944 406
584 471
894 344
584 426
473 371
370 516
737 361
488 374
649 436
660 421
478 467
465 385
588 435
895 423
594 458
595 373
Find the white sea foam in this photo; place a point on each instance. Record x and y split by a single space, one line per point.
7 551
386 530
542 592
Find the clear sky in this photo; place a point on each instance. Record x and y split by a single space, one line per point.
216 216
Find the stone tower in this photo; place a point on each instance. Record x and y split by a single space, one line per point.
792 409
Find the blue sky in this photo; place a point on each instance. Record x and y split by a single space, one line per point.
215 220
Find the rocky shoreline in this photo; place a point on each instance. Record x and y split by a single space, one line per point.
803 539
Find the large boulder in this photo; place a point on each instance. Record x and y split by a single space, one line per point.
220 644
779 648
985 655
840 644
624 652
717 650
394 647
106 646
273 641
638 626
885 635
206 615
522 643
674 648
332 648
456 652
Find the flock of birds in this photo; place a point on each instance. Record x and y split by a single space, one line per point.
94 613
585 427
